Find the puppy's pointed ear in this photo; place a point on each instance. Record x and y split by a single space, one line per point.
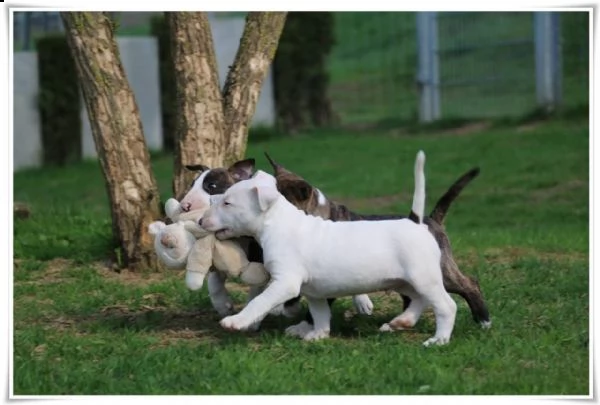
266 196
197 168
242 169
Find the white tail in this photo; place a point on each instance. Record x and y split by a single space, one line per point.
418 206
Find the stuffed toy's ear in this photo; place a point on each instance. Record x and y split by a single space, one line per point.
172 208
155 227
242 170
266 196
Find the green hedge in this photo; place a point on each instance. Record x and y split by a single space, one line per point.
59 101
160 29
300 72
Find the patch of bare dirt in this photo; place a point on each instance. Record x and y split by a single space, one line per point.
549 193
170 337
469 128
29 299
54 269
528 127
39 350
510 254
127 276
51 273
21 210
56 266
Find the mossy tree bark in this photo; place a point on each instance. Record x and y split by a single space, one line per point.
118 136
212 127
199 120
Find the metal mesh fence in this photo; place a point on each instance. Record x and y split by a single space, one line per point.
486 62
486 65
372 67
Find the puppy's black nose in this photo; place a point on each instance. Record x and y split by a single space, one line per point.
200 222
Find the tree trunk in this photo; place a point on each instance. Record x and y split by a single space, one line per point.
244 81
117 132
301 80
199 134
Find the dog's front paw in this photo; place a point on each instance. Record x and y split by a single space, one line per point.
299 330
386 328
317 334
234 322
436 340
363 304
224 308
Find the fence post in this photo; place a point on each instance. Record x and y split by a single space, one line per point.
428 77
548 71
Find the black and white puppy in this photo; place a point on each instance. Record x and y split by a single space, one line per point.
213 182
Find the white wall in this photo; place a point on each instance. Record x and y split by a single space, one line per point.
27 136
140 61
139 56
226 36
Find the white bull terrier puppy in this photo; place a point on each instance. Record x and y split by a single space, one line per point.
322 259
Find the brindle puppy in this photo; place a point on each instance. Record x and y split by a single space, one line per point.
310 199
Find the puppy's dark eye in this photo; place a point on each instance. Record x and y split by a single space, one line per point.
212 186
226 203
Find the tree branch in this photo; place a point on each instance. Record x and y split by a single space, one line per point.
244 81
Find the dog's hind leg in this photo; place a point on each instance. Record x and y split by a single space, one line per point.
456 282
300 329
363 304
219 297
321 313
444 309
408 318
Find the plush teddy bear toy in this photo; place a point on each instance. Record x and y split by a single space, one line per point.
184 244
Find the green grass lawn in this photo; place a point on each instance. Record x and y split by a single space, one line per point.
80 327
